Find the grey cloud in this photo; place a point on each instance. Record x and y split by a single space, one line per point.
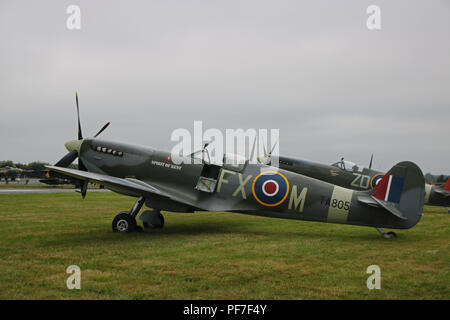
308 68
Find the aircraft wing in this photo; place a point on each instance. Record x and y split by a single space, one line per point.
133 186
442 192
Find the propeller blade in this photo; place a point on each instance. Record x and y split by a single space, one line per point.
264 148
84 189
83 184
253 149
102 129
271 150
67 159
81 165
80 135
370 164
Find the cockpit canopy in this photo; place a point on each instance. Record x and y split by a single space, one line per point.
346 165
230 161
234 162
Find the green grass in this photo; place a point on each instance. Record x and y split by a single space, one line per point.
210 255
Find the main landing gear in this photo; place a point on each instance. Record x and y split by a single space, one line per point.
387 235
152 219
126 220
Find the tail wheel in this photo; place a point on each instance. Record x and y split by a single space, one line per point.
391 234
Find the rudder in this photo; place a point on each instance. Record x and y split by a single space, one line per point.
401 191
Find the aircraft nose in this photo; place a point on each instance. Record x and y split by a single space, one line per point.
73 145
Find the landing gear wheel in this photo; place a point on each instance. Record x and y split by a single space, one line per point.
391 234
387 235
152 219
159 221
123 222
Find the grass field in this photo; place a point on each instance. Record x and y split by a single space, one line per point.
210 255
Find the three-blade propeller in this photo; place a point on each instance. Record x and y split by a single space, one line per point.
72 155
267 156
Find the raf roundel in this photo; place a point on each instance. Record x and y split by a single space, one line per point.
375 179
270 188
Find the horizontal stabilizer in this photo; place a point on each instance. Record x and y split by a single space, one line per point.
443 192
368 200
391 207
377 203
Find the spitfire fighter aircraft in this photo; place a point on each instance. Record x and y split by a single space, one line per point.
347 174
155 180
12 173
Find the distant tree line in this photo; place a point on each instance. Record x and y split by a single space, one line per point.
35 165
436 178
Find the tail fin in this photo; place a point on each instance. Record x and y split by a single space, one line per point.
402 191
447 185
443 190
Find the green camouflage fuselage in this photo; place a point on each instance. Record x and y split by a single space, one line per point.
303 198
365 179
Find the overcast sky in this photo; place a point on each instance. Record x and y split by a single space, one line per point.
311 69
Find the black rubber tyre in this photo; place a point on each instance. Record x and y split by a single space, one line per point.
157 221
123 222
160 223
392 234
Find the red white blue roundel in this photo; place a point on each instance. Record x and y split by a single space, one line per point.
375 179
270 188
